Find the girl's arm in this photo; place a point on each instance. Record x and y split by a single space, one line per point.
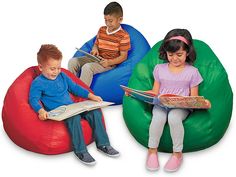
154 91
194 91
155 88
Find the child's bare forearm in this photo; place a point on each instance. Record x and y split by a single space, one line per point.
152 92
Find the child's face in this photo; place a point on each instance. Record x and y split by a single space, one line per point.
51 68
112 22
177 58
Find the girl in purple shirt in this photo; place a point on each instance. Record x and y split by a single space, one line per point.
177 76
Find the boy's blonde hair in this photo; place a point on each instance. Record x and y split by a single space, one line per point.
47 51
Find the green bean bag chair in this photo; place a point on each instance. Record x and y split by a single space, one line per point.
203 128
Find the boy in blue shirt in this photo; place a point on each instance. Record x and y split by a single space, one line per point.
52 88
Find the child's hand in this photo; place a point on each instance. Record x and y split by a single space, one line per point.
127 94
43 115
94 97
104 63
95 51
208 103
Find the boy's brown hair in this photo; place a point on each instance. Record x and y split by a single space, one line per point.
113 8
47 51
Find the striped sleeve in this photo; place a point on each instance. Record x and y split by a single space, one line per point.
125 43
96 41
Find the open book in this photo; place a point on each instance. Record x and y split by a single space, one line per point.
90 56
169 100
66 111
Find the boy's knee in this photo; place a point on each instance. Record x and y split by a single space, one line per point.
73 65
96 113
72 62
73 119
87 68
94 116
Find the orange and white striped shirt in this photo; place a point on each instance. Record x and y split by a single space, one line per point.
110 45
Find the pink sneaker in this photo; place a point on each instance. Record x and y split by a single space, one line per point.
152 163
173 164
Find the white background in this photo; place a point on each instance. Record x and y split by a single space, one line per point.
26 24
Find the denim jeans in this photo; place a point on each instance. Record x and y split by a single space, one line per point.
94 119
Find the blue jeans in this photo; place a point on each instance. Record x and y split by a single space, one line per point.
94 119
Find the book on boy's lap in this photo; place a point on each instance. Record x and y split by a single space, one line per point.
67 111
169 100
93 58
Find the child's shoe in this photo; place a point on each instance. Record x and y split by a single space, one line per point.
108 150
86 158
152 162
173 163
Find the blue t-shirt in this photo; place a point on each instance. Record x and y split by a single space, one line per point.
54 93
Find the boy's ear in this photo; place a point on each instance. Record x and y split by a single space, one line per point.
121 19
40 67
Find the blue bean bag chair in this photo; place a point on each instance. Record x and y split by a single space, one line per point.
203 128
107 84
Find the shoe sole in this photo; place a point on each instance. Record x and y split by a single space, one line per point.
87 163
170 171
152 169
116 155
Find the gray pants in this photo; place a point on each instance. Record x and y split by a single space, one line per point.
88 68
175 119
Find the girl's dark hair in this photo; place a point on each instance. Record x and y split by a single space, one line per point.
113 8
175 44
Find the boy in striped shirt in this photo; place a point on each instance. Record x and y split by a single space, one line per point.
112 45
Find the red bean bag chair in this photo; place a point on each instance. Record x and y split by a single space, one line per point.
24 128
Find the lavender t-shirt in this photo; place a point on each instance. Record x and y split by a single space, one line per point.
176 83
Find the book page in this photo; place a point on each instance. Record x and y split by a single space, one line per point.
194 102
67 111
92 57
169 100
141 92
91 105
128 89
138 94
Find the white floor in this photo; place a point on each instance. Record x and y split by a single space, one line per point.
210 162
